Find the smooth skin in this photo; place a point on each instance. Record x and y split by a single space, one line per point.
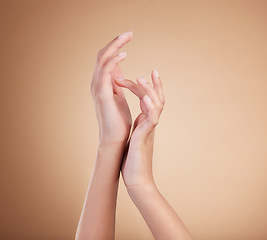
131 154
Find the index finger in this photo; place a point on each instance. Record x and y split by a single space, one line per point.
113 47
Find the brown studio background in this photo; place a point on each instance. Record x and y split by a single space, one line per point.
211 144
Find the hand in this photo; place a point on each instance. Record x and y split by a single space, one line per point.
111 108
137 163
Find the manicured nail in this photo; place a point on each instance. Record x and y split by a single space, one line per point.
156 72
147 98
129 33
142 79
122 35
120 79
122 54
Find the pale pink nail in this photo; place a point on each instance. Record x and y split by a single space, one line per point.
122 35
142 79
156 72
129 33
120 79
122 54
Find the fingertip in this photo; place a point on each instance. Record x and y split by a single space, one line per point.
122 54
156 78
156 74
129 34
118 80
127 37
141 80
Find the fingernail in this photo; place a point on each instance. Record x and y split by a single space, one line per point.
122 35
122 54
147 98
129 33
142 79
156 72
120 79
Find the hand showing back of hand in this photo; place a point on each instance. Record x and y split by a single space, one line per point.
111 107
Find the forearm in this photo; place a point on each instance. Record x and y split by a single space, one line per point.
161 218
97 220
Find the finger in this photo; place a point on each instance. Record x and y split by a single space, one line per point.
104 83
118 37
117 90
117 72
140 118
110 65
150 91
158 85
113 47
153 117
133 87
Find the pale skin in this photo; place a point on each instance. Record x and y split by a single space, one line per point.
130 153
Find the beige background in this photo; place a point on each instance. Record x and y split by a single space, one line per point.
211 144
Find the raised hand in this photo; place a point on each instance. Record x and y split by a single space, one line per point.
97 219
137 164
111 108
136 169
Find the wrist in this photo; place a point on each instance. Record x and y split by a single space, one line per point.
114 136
110 153
108 143
141 188
141 184
143 141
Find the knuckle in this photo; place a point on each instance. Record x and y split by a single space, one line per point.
161 106
153 107
92 94
99 55
92 87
